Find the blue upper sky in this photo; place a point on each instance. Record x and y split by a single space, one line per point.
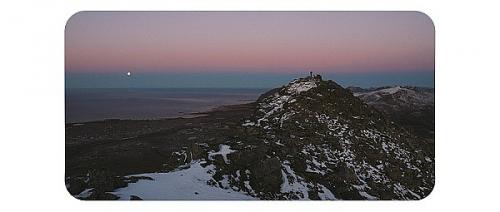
238 80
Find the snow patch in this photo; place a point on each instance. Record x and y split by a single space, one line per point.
325 193
224 150
293 183
85 193
301 86
186 184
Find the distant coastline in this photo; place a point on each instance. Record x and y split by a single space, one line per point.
97 104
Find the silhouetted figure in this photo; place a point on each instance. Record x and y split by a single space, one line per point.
311 74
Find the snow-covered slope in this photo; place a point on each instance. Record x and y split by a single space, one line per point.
187 183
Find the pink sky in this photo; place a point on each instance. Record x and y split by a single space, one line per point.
249 41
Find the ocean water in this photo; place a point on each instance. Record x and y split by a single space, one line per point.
91 104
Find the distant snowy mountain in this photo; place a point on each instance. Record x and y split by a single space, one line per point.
396 96
411 107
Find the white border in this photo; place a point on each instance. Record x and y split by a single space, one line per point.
32 91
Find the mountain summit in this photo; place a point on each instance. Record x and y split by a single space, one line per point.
313 139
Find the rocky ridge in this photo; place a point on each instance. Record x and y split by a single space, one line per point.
310 139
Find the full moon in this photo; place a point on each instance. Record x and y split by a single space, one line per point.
128 73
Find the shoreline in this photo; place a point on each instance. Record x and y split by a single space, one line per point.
221 108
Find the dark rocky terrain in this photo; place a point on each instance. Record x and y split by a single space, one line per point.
310 139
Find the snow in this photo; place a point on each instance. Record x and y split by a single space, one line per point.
248 124
204 145
398 188
385 147
285 117
180 185
316 166
275 103
367 196
296 185
181 153
325 193
238 174
249 187
224 150
224 183
84 194
402 96
392 90
302 86
293 183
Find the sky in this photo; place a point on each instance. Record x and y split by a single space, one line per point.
247 49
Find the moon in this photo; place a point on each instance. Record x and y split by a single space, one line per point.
128 73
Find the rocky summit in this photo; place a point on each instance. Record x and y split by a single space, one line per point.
310 139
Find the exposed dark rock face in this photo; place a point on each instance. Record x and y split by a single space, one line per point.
133 197
266 175
310 139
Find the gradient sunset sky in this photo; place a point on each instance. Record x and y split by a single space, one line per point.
247 49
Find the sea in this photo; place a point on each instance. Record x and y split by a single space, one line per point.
93 104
